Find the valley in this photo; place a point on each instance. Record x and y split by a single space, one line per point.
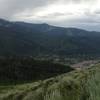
45 62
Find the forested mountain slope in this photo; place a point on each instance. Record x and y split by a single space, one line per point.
25 39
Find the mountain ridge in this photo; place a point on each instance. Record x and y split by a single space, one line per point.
21 38
23 22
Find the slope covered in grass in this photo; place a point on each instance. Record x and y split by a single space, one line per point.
76 85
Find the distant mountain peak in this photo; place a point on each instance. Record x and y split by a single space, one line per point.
21 38
4 23
3 20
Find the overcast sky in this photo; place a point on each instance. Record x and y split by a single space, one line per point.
68 13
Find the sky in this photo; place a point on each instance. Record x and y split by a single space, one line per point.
83 14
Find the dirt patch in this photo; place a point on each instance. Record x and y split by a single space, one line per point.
85 64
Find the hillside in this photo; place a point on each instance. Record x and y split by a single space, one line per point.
76 85
22 70
27 39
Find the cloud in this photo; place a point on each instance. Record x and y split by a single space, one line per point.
56 12
8 8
